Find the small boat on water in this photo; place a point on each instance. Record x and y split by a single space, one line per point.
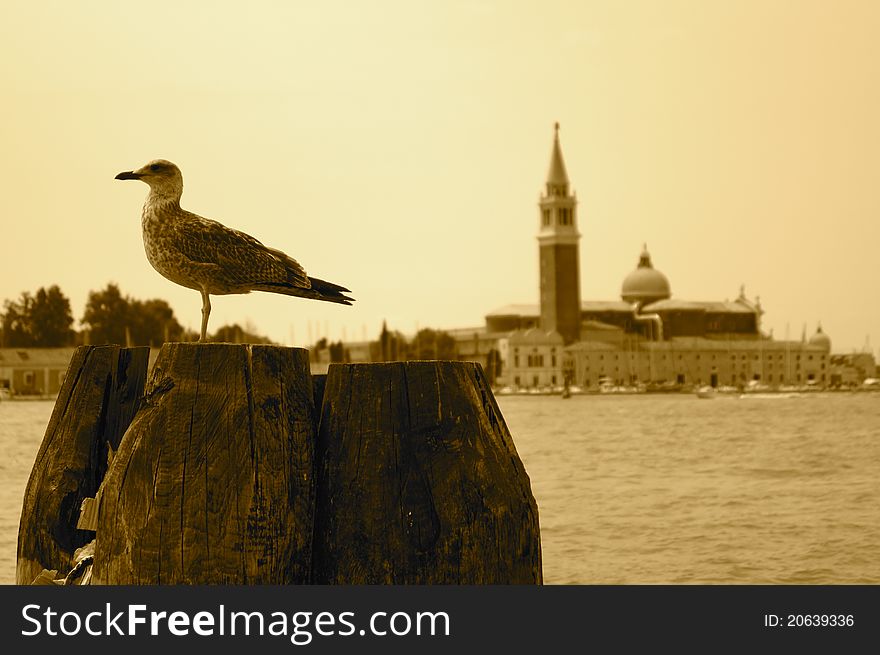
706 393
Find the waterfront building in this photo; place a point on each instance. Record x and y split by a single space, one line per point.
533 356
852 369
698 361
647 337
33 371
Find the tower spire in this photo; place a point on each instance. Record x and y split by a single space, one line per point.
557 177
558 238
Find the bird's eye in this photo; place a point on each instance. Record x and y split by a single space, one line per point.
155 167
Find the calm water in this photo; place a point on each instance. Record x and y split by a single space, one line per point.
653 489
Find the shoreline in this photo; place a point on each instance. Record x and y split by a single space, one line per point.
629 391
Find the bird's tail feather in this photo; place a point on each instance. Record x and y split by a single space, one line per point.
323 285
296 275
320 290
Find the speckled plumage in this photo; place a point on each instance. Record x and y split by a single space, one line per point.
202 254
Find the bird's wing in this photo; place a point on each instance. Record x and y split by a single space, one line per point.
240 255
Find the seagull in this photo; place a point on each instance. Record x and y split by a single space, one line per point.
202 254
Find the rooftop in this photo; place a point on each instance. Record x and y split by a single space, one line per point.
645 284
535 335
36 357
517 310
599 326
699 343
606 306
725 307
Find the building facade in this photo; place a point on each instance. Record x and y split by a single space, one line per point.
646 337
698 361
851 370
33 371
533 358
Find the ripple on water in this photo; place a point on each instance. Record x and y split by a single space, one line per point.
655 489
21 430
665 489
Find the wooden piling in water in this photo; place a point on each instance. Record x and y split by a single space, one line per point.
419 480
407 474
214 480
97 401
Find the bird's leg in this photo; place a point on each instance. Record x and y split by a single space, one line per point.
206 312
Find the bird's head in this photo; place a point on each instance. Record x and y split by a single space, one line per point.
163 177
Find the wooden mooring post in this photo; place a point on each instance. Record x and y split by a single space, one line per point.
214 480
97 401
240 468
419 480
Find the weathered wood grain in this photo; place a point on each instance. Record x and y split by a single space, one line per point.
419 481
96 403
318 383
214 481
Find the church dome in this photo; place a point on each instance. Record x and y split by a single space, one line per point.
645 284
821 339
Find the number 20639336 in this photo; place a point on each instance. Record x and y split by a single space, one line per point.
809 620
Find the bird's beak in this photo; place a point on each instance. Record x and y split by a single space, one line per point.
128 175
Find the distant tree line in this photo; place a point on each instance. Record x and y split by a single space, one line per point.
110 317
42 319
393 346
236 334
426 344
45 320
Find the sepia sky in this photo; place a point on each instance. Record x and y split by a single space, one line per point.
399 148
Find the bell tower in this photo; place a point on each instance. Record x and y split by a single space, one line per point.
558 239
